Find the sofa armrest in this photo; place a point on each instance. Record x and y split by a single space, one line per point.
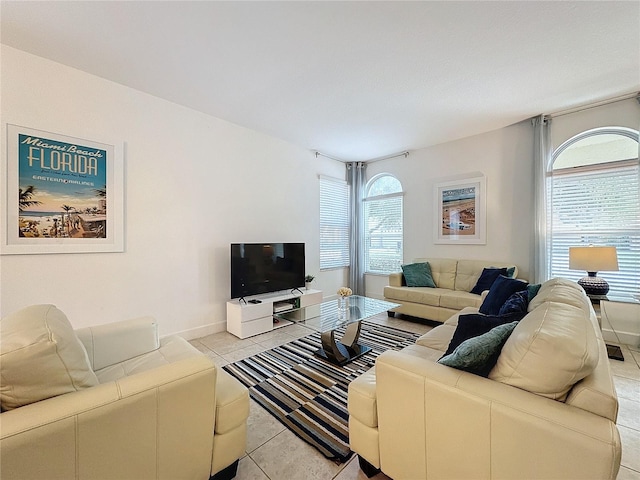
161 421
465 426
113 343
396 279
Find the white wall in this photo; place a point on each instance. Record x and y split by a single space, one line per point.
624 113
193 185
505 157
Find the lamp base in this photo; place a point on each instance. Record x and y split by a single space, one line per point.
593 285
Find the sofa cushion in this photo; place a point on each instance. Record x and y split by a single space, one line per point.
487 277
443 271
41 357
172 349
418 275
362 400
560 290
475 324
232 403
499 292
423 295
479 354
437 338
551 349
458 300
469 271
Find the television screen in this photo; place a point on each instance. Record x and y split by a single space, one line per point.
266 267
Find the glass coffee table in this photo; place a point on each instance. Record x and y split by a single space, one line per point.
327 317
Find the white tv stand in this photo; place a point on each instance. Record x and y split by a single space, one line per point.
249 319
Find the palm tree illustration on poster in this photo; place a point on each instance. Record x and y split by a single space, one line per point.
67 192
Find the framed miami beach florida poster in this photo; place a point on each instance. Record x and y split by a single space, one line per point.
62 194
460 211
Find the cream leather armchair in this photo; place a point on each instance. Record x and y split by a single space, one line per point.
144 408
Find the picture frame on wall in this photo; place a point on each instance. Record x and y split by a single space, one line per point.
460 211
62 194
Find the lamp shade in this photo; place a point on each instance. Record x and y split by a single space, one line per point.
593 259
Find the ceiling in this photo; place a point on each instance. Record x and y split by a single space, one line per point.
354 80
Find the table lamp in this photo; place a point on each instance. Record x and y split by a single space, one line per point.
593 260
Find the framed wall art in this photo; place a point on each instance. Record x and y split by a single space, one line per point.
460 211
61 194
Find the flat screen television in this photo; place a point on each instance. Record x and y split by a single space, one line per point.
266 267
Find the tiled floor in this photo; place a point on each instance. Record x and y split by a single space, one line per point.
274 453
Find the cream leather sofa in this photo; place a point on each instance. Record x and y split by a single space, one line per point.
113 402
535 416
454 280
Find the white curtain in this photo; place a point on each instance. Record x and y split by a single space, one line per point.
356 178
542 157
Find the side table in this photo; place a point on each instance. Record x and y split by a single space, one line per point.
619 318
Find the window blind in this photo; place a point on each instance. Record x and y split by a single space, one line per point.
383 233
334 223
597 205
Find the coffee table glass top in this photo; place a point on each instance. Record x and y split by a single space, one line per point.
326 316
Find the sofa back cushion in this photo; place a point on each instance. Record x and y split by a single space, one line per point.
560 290
550 350
468 272
443 271
40 357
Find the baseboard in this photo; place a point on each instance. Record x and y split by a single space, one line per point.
202 331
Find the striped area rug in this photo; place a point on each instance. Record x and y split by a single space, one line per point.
308 394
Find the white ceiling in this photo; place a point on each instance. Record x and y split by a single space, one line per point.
354 80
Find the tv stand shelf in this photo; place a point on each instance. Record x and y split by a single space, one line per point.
249 319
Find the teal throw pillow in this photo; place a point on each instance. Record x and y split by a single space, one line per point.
478 355
476 324
532 290
418 275
511 271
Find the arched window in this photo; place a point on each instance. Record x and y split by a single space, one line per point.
595 200
383 224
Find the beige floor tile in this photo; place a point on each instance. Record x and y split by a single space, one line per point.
217 359
629 413
352 472
267 335
261 427
298 331
627 388
235 355
248 470
237 344
630 447
275 339
627 369
220 338
627 474
287 457
201 347
636 355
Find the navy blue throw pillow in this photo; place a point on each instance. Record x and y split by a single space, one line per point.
474 324
499 292
518 302
487 277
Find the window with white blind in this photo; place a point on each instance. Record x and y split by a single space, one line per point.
595 200
383 225
334 223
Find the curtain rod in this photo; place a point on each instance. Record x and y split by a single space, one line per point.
401 154
601 103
